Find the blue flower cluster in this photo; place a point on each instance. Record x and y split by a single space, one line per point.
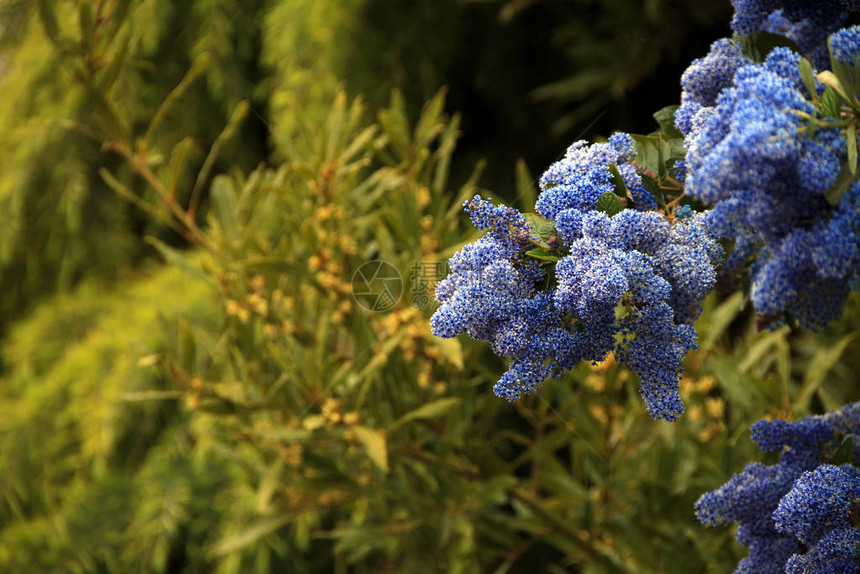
491 295
582 176
807 24
799 515
752 155
629 284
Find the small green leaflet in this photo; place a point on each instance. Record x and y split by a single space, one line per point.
840 186
609 204
650 153
666 118
620 187
844 454
831 103
651 186
829 78
543 228
543 255
757 46
848 75
808 78
851 137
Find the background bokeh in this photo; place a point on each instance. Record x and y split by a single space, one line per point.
186 381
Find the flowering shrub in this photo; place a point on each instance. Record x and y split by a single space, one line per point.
761 159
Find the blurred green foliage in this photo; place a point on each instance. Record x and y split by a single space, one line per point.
236 410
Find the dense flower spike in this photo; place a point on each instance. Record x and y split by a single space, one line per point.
799 515
767 174
582 176
807 24
630 283
491 296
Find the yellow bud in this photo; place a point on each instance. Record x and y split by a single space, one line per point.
196 384
423 196
599 413
348 245
258 282
329 406
424 379
231 307
192 401
696 413
351 418
707 383
715 407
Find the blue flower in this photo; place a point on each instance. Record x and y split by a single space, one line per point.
766 176
799 515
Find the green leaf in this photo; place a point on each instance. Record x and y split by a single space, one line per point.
839 187
543 228
808 77
429 124
395 124
242 539
429 411
543 255
177 163
620 187
609 204
677 150
666 118
178 259
112 70
828 78
451 349
47 9
224 206
526 190
200 65
85 20
819 368
758 45
374 444
845 453
848 75
851 138
649 153
651 186
240 112
831 103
